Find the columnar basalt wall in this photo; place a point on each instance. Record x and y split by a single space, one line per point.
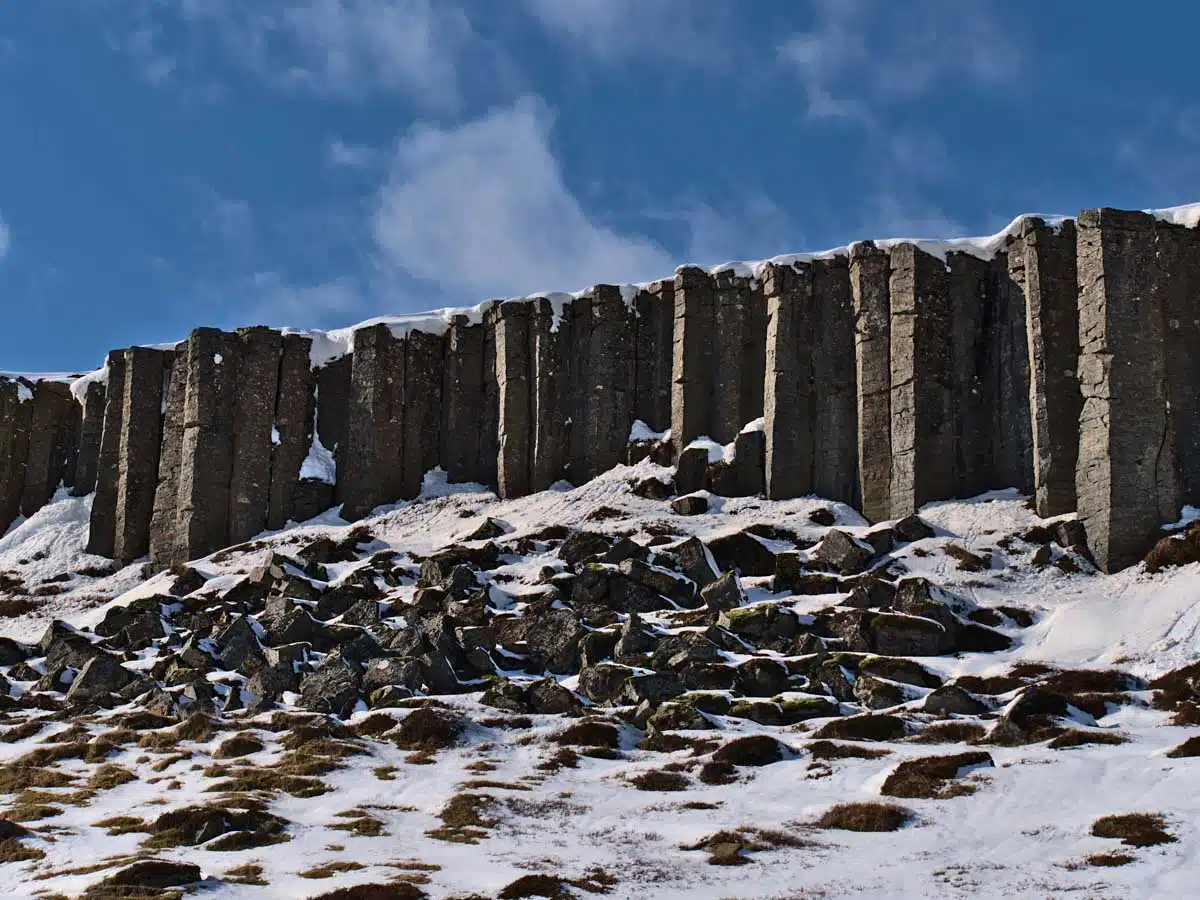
138 454
1057 358
1051 295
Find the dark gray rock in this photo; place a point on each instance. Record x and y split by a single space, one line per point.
844 553
102 676
333 688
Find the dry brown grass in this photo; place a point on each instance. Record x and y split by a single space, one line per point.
1134 829
931 777
866 817
589 733
967 561
1077 737
364 826
464 819
122 825
248 874
863 728
831 750
949 733
1109 860
13 851
1188 749
329 869
109 776
660 780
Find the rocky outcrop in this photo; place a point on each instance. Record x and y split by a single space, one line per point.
1055 358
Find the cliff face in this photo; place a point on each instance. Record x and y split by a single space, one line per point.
1060 360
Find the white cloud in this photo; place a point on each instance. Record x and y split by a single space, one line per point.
5 238
340 154
860 54
342 48
275 301
482 208
613 31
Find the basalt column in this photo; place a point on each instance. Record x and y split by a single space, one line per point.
1052 319
165 547
973 397
253 429
15 416
788 422
91 431
1126 483
103 526
548 391
52 414
333 411
607 398
1179 282
870 273
738 353
921 401
1009 344
207 448
141 434
373 459
693 356
421 439
654 321
489 433
835 415
293 417
513 462
462 400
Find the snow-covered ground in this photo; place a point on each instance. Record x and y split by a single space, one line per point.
1023 832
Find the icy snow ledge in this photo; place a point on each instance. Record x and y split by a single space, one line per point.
319 465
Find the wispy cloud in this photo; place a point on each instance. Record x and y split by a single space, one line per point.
335 48
340 154
482 209
613 31
1162 153
5 238
859 54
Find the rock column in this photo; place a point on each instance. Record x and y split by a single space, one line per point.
141 434
788 422
15 416
870 273
835 415
654 320
103 526
254 431
207 443
693 356
165 547
52 414
1126 485
921 403
373 459
421 441
91 431
462 400
1052 318
295 404
548 391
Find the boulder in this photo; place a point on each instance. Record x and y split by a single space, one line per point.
724 594
744 553
697 563
844 553
332 688
101 676
690 505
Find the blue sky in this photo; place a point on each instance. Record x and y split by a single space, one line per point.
171 163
